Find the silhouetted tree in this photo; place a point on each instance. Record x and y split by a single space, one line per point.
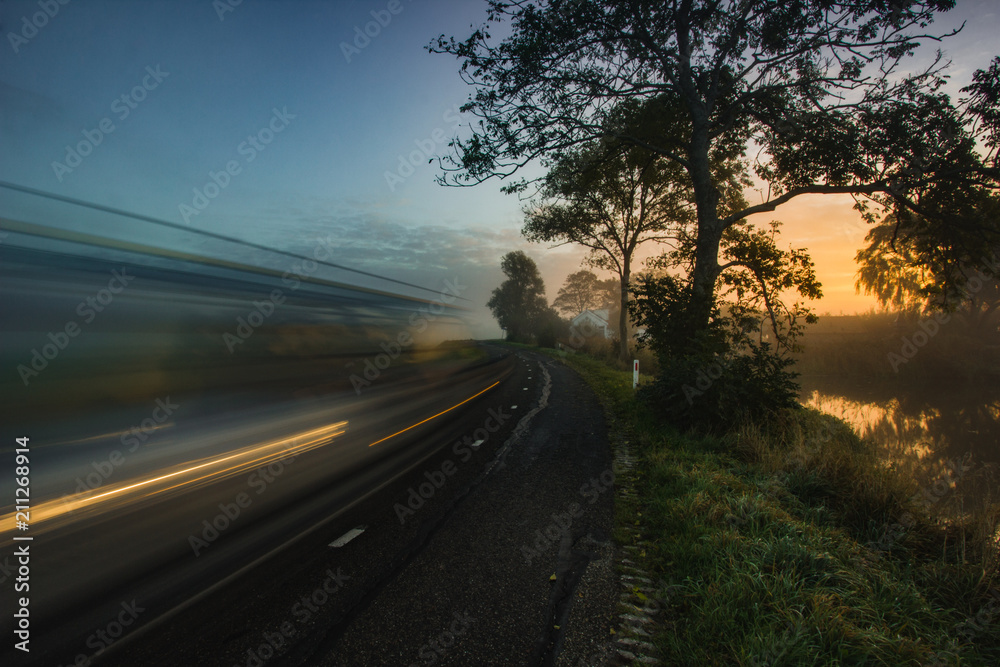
905 268
815 86
519 303
580 292
610 199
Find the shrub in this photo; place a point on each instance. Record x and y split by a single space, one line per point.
716 393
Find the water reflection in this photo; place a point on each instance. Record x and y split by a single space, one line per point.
946 436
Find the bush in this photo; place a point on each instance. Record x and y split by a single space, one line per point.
549 327
716 393
711 377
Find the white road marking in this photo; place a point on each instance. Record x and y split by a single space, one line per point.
513 407
477 443
347 537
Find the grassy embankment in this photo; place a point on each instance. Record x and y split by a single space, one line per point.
790 544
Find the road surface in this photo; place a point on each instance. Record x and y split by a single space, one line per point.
486 541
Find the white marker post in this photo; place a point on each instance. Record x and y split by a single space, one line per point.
635 373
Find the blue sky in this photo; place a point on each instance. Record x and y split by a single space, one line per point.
221 78
344 125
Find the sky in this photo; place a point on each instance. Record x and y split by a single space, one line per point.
284 124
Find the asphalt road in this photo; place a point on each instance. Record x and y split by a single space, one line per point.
494 550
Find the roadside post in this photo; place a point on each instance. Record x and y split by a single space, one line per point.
635 373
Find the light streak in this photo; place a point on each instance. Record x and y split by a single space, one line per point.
435 416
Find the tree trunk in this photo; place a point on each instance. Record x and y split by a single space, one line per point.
706 262
704 277
623 315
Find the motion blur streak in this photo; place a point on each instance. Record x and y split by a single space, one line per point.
246 459
177 386
435 416
173 225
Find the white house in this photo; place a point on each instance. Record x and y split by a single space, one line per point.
592 323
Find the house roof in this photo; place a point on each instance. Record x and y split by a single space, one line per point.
601 314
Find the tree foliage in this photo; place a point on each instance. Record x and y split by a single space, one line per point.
903 267
814 85
722 375
580 292
610 199
890 270
802 96
519 304
757 280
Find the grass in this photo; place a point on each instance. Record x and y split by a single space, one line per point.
789 543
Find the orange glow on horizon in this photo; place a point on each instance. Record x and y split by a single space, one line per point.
827 226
